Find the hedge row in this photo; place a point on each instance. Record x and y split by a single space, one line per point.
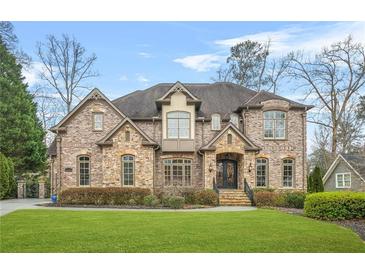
103 196
335 205
7 180
279 199
135 196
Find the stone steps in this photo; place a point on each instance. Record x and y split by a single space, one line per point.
233 197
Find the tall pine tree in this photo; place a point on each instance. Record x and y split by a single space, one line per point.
21 134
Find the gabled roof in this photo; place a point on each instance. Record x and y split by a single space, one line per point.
104 141
222 98
94 94
355 162
180 88
210 145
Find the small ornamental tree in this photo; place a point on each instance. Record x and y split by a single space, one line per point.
317 180
310 183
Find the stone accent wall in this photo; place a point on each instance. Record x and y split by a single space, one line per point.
143 159
276 150
80 139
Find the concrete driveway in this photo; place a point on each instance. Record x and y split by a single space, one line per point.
7 206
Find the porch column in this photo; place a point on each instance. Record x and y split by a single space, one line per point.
210 165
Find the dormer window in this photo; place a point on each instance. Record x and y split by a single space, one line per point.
178 125
216 122
234 119
98 119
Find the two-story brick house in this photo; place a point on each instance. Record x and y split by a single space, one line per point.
182 135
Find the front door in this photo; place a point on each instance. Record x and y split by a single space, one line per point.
226 174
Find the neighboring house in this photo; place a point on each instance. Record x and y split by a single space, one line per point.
347 172
182 135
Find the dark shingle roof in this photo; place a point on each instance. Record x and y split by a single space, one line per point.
222 98
357 162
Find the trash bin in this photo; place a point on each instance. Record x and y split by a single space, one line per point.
54 198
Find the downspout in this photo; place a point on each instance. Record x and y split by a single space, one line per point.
59 149
304 139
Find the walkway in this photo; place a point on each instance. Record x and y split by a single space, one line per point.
7 206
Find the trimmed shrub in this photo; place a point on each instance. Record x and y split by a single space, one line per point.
189 196
206 197
176 202
103 196
294 199
335 205
265 198
279 199
151 200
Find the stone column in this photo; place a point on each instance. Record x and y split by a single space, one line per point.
41 184
21 189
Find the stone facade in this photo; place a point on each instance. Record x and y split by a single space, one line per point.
75 137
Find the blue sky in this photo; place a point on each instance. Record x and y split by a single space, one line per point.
136 55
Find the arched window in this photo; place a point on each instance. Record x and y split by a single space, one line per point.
288 172
262 169
274 124
229 139
178 125
83 170
216 122
234 119
127 136
128 170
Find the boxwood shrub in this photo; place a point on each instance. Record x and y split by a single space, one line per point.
176 202
335 205
103 196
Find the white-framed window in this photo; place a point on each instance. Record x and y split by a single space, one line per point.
288 172
216 122
234 119
98 119
343 180
178 125
261 172
274 124
128 170
83 170
177 172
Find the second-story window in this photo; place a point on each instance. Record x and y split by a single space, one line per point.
234 119
274 124
98 119
178 125
216 122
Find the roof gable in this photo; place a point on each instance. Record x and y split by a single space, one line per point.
210 145
334 165
104 141
178 87
95 94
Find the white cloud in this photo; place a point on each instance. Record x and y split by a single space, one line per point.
201 63
141 78
310 38
31 74
123 78
145 55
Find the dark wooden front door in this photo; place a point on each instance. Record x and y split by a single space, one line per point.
226 174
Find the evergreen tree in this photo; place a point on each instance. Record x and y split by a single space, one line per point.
21 134
317 180
7 182
310 184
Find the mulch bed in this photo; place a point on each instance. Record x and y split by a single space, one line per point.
119 206
356 225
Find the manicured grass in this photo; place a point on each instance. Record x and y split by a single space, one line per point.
117 231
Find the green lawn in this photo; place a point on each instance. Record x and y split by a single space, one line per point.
116 231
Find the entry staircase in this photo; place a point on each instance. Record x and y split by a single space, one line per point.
233 197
